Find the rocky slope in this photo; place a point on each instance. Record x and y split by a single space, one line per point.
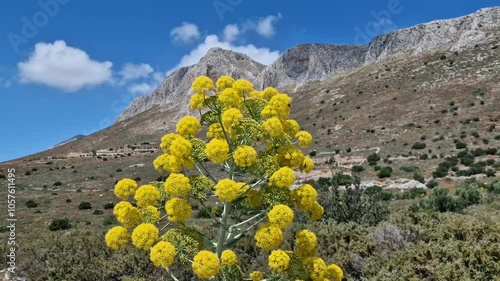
173 92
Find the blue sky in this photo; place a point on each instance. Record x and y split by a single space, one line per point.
70 67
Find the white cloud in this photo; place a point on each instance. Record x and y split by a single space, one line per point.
231 32
132 71
64 67
262 55
141 88
265 26
185 33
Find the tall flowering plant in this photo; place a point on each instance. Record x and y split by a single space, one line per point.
251 136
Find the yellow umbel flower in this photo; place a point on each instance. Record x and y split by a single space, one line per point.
168 163
162 254
284 178
281 104
197 101
306 242
317 268
291 127
178 210
229 98
273 126
223 83
215 131
206 264
279 260
227 190
334 272
166 142
147 195
304 196
127 214
290 156
307 165
117 237
228 258
202 84
144 236
268 237
150 214
245 156
256 276
125 188
281 216
217 150
268 93
231 117
316 211
305 139
177 185
188 126
243 87
181 148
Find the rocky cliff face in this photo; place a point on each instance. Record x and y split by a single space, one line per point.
311 62
174 92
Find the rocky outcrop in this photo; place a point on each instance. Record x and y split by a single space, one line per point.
311 62
175 89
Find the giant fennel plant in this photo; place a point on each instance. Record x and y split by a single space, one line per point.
251 136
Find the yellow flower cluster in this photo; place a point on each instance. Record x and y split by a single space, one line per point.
223 83
304 138
147 195
188 126
177 154
125 188
281 216
162 254
150 214
215 131
256 276
228 258
217 150
307 165
245 156
306 242
290 156
242 87
229 98
177 185
230 118
178 210
144 236
127 214
268 237
206 264
202 84
304 196
284 178
117 237
274 127
227 190
279 260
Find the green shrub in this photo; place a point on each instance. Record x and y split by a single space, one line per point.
59 224
374 157
357 169
418 177
385 172
460 145
109 205
31 204
85 206
409 169
98 212
418 145
57 183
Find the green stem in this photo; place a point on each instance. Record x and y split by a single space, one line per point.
222 229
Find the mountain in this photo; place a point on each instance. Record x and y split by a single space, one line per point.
174 91
77 137
317 62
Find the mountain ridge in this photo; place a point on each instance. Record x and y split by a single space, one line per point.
304 63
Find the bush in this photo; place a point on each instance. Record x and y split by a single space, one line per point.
27 173
374 157
460 145
357 169
418 177
109 205
31 204
2 176
418 145
68 200
432 184
440 200
85 206
59 224
409 169
98 212
469 193
57 183
385 172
